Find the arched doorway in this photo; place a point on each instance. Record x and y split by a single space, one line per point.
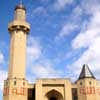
54 95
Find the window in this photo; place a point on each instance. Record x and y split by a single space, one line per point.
24 83
6 83
90 83
80 83
14 82
74 94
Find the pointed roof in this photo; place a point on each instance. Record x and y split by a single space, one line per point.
86 72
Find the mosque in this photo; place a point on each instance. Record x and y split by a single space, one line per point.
16 87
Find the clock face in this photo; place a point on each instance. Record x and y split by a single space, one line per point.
17 91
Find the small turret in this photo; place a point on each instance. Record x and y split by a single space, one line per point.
86 84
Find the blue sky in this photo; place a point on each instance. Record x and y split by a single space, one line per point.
64 35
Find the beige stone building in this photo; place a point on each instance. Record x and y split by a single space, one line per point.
16 87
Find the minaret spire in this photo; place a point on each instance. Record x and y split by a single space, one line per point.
20 5
21 2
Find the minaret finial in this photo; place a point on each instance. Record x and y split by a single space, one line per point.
20 5
21 2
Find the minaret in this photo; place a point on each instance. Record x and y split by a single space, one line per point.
15 87
18 29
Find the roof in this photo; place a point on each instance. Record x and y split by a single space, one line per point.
86 73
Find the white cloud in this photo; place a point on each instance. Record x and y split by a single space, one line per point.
42 71
77 11
3 76
66 30
89 35
60 4
33 52
75 19
72 23
90 6
40 10
34 49
39 66
37 12
1 58
89 38
3 73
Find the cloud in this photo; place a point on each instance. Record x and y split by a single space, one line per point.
60 4
3 76
3 63
89 38
66 30
76 20
40 10
45 71
1 58
38 66
72 23
34 52
90 6
37 12
34 49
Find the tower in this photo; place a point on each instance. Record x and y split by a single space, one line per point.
86 84
18 29
15 87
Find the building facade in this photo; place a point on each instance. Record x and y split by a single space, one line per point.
16 87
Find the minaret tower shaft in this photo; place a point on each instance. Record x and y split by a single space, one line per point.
18 29
16 86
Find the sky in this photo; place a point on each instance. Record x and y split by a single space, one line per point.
64 35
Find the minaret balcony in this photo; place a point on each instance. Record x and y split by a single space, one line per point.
19 25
